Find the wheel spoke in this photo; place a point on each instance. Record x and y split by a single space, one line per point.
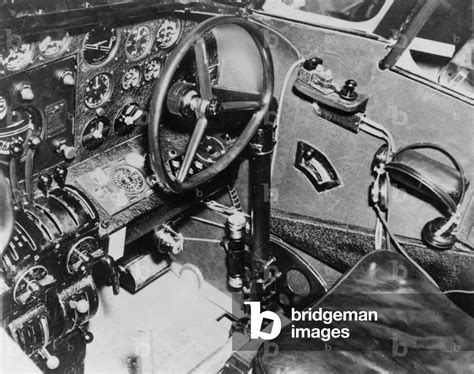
203 69
232 106
192 149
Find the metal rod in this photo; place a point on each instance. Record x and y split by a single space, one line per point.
209 222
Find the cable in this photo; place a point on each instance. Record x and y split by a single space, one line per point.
400 247
280 107
288 41
464 243
471 292
387 136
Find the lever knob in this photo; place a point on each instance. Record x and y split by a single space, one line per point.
44 183
16 149
68 151
52 362
66 78
34 141
348 91
60 174
25 93
82 306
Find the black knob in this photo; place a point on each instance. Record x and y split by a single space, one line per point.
34 141
60 174
348 91
44 183
16 149
312 63
213 109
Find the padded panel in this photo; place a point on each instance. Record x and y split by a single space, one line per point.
413 112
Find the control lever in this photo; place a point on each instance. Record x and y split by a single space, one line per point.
112 273
52 362
44 183
60 175
16 151
33 143
86 335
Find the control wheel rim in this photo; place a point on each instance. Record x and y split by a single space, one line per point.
159 97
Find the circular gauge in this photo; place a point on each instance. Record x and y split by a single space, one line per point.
152 69
98 90
139 42
18 127
127 118
128 179
17 57
210 149
81 253
99 45
168 32
29 284
54 45
95 133
131 78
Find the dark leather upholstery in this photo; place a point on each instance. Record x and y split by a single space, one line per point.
418 330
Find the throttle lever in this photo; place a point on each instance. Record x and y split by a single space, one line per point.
113 274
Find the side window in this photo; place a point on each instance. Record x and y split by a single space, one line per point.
442 50
347 10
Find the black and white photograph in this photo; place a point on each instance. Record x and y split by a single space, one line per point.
236 187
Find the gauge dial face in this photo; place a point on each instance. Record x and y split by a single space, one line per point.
82 254
131 78
152 69
95 133
99 45
98 90
129 179
210 149
139 42
30 283
18 127
17 57
127 119
168 32
54 45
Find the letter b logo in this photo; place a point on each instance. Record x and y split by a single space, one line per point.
256 320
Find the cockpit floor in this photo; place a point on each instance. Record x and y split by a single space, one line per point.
167 327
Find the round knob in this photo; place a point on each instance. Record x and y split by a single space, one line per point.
25 93
67 79
348 91
82 306
52 362
16 149
34 141
312 63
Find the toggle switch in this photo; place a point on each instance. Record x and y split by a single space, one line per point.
52 362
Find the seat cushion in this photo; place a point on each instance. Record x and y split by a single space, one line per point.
417 329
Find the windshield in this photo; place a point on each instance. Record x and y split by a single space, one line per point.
440 53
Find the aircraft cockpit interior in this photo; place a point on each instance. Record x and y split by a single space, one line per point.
236 186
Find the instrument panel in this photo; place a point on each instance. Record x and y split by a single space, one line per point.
115 70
